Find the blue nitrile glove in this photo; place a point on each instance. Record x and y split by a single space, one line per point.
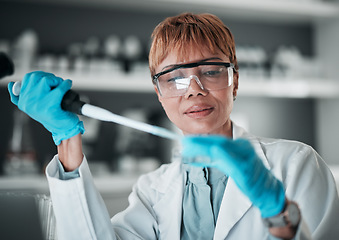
40 97
238 160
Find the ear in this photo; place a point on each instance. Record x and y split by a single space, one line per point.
235 84
158 94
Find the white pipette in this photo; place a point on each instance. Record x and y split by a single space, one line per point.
105 115
71 102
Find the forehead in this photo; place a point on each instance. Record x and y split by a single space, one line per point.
188 56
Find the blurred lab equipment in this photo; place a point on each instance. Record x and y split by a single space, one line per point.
135 148
131 52
285 63
253 61
111 52
93 55
26 215
25 50
19 217
47 218
289 63
92 132
6 65
21 157
112 46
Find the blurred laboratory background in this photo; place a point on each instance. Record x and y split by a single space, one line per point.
289 78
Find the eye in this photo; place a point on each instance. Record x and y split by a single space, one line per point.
173 76
174 79
213 71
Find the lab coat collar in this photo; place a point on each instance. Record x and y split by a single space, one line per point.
239 132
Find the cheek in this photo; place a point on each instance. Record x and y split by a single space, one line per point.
225 99
170 105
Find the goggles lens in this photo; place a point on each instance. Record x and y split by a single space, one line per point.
176 81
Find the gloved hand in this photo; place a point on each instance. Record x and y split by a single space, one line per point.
40 97
238 160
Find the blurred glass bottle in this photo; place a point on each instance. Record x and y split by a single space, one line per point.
24 50
21 157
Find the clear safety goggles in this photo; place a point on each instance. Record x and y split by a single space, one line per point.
175 82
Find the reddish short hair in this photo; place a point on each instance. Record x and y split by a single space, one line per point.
187 31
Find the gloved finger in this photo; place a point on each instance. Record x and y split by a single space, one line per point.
50 81
242 147
201 145
207 140
30 80
215 151
191 148
42 81
45 81
217 146
64 86
61 89
14 99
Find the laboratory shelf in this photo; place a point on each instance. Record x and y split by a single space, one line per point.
115 81
113 183
140 82
283 88
281 10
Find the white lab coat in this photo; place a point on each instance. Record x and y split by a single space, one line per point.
155 204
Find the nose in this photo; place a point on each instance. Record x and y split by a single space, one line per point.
195 88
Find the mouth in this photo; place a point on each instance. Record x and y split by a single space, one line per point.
198 111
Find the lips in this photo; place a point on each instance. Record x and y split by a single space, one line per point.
199 111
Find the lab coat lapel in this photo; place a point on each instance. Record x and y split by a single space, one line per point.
169 209
235 204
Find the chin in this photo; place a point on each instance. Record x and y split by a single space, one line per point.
198 131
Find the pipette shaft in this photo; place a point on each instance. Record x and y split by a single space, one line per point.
105 115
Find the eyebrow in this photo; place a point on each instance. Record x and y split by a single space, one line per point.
204 60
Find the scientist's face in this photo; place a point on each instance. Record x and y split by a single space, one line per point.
200 111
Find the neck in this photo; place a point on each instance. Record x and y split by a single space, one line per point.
226 130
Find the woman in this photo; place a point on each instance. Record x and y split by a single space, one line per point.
229 184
